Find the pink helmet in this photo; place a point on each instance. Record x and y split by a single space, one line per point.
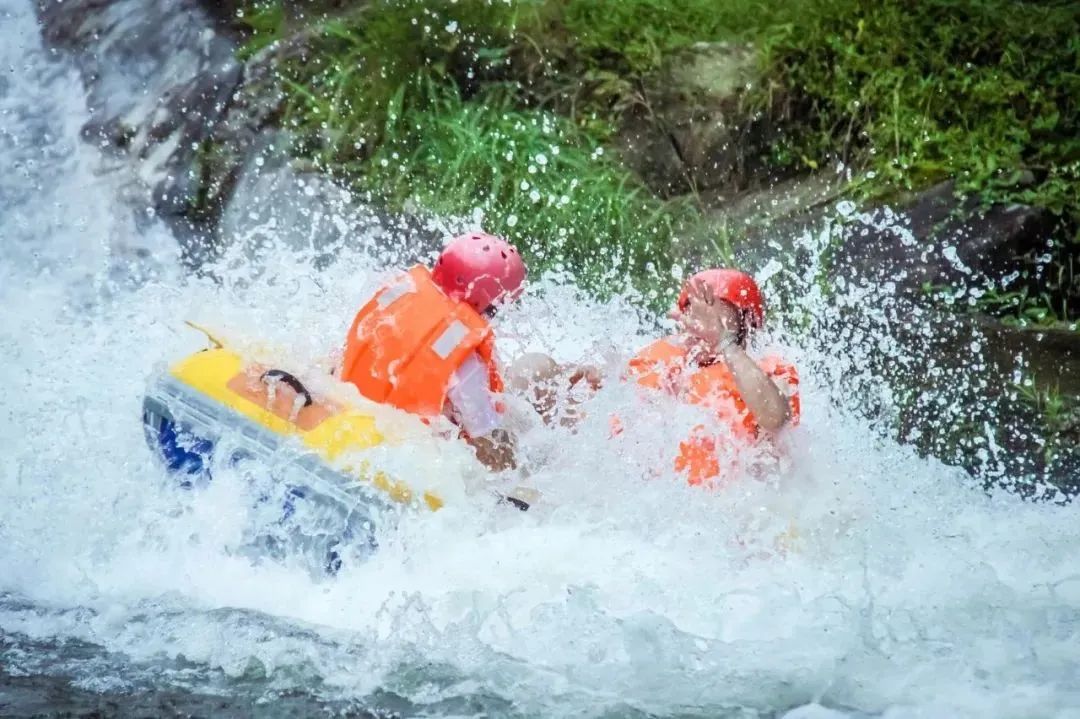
480 269
733 286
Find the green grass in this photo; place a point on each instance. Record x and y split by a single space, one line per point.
986 92
1058 415
1050 299
429 113
534 177
264 21
631 39
384 56
1024 308
422 100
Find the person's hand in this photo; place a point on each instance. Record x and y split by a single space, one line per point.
588 374
712 321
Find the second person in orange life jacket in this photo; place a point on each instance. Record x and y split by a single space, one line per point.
423 342
705 363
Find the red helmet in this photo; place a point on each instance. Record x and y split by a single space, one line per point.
735 287
480 269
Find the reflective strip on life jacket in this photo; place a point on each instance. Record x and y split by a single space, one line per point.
450 339
395 291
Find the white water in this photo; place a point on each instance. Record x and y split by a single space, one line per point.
907 591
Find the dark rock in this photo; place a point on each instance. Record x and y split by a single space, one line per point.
1031 367
192 115
159 79
650 151
688 131
761 225
935 240
168 96
1048 355
940 240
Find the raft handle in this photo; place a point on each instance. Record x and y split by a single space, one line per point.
280 375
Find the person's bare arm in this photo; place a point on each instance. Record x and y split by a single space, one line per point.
495 450
716 324
763 398
473 406
545 383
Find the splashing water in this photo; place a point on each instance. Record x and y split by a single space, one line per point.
860 576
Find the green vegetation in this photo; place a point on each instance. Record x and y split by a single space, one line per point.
533 176
1022 308
983 91
265 23
1048 300
448 103
425 104
1059 417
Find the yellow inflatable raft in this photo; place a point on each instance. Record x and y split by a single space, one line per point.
215 395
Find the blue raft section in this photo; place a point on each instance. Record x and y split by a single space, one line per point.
322 516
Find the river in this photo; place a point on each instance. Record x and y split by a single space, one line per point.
859 579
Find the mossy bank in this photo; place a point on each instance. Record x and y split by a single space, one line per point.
633 140
516 109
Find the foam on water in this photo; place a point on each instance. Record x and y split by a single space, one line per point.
856 575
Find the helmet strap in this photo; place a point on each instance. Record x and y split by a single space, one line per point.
744 327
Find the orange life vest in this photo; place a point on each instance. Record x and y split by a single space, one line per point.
664 365
408 340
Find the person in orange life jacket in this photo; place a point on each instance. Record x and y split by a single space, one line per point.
706 363
423 342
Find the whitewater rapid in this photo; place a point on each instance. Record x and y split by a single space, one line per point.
858 576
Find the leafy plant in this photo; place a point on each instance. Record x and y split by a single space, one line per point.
264 20
534 176
1058 414
982 91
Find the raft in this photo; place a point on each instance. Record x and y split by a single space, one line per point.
215 408
216 393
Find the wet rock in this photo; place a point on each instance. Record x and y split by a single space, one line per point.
159 79
278 199
201 190
151 69
196 129
649 150
934 240
941 240
61 690
763 225
688 131
1049 355
1038 383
